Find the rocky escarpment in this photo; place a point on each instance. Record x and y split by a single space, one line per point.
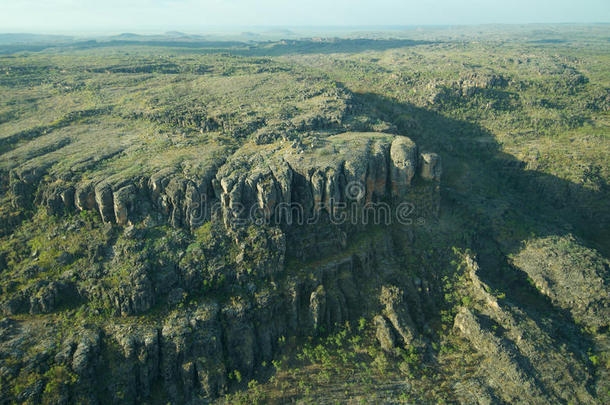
195 353
309 198
186 320
238 296
261 182
179 198
344 180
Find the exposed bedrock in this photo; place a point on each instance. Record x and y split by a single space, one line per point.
403 154
396 311
42 297
517 350
256 183
348 168
195 353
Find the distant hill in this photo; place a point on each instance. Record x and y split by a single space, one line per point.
128 35
176 34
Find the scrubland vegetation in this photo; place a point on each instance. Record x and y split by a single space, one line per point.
123 279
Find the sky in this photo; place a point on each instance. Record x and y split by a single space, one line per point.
204 15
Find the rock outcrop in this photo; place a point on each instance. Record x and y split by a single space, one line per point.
291 193
190 354
430 166
396 312
42 297
264 183
517 350
404 163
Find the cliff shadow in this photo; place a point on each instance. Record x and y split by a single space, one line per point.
478 174
506 204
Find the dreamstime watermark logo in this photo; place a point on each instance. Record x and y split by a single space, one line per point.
355 191
353 209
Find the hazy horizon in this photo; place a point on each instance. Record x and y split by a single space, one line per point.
112 16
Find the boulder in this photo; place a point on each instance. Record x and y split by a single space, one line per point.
317 307
403 156
430 166
104 200
384 334
396 311
124 199
85 197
